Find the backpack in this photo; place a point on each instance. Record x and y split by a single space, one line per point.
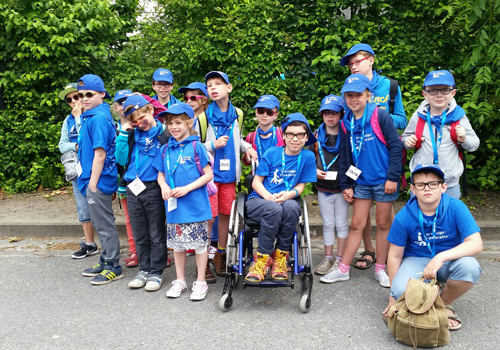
279 133
204 124
419 316
393 92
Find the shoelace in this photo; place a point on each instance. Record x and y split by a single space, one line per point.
258 268
178 285
280 265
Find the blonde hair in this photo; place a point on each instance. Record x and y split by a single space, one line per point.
134 114
185 118
204 101
365 53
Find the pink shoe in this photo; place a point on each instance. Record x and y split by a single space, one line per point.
132 260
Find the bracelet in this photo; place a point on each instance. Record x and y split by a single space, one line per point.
213 146
296 192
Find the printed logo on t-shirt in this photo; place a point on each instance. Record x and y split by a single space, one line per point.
422 241
276 180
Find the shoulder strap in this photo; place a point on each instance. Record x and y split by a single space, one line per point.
419 131
131 142
344 129
393 92
203 127
453 133
376 127
197 159
240 119
252 138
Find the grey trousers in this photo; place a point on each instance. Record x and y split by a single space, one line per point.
103 220
277 220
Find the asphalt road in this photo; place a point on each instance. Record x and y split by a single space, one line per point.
48 304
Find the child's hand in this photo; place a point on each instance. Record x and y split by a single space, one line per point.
433 267
320 174
180 191
221 141
166 193
270 197
348 195
390 187
251 153
77 110
127 126
460 133
392 301
412 141
283 196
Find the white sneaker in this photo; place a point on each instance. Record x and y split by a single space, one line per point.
154 283
211 252
335 276
383 279
200 290
178 287
324 266
139 281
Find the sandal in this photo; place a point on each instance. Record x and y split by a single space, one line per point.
365 260
453 317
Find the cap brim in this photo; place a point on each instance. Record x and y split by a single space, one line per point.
265 105
353 88
344 60
62 94
335 108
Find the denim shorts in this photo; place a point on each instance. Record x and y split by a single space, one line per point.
377 193
81 204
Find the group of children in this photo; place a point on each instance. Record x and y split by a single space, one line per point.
170 152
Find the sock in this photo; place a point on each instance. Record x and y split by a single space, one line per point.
379 267
220 249
329 256
344 268
214 244
93 244
338 258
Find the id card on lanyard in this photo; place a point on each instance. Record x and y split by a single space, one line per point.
353 172
224 164
260 154
137 186
436 145
172 202
330 175
421 223
289 185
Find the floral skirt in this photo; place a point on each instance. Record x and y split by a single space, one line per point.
187 236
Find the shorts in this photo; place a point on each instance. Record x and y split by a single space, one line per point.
226 193
377 193
213 205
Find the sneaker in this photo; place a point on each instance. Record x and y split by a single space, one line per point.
209 275
220 264
259 269
211 252
139 281
108 275
383 279
334 266
279 271
132 260
178 287
324 266
190 252
94 270
154 283
200 290
334 276
85 250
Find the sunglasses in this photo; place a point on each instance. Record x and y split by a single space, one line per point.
87 94
434 92
269 112
193 98
291 135
120 102
69 99
139 123
356 63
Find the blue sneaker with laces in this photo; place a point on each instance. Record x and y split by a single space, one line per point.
108 275
94 270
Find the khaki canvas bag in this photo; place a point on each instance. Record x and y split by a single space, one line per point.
419 317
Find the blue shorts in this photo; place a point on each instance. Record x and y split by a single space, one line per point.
375 192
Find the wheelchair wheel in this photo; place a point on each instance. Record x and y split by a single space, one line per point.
305 258
226 303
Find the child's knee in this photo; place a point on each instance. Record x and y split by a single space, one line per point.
465 269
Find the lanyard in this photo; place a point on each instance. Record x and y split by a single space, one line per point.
421 222
289 186
434 146
209 116
322 157
357 150
169 103
137 165
257 142
171 173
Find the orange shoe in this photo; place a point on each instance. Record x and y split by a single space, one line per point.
259 269
279 270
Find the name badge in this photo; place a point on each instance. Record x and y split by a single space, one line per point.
224 165
79 169
136 186
331 175
353 172
172 204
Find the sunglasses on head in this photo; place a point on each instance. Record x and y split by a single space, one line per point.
70 99
193 98
269 112
88 94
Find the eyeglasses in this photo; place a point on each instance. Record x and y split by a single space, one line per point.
421 185
193 98
162 84
69 99
139 123
356 63
434 92
87 94
291 135
269 112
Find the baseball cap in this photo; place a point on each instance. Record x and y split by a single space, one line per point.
176 109
92 82
121 94
356 83
354 50
267 101
300 118
332 103
427 167
194 86
135 100
439 77
163 74
67 89
219 74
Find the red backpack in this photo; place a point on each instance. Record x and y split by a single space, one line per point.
420 130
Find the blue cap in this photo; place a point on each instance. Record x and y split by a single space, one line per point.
92 82
216 73
300 118
356 83
162 74
178 108
71 87
439 77
135 100
354 50
332 103
121 94
267 101
194 86
427 167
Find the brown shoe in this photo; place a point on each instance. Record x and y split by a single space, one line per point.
220 264
209 276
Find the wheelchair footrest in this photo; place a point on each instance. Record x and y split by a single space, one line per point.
270 284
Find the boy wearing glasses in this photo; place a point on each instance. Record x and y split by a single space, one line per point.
440 122
163 83
281 177
98 175
434 236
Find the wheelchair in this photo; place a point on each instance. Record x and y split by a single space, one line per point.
242 231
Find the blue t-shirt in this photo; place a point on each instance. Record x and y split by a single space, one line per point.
271 168
72 132
453 225
194 206
146 146
98 131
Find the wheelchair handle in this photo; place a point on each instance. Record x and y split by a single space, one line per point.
255 164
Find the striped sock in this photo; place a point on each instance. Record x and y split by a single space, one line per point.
329 257
344 268
379 267
338 258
